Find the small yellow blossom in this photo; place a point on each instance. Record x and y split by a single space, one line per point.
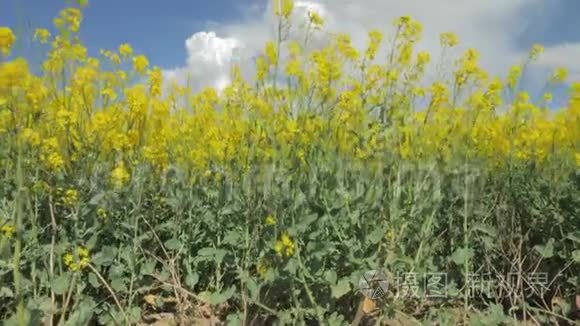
7 39
140 63
536 51
560 75
120 175
449 40
8 230
270 220
283 8
514 76
262 267
42 35
79 261
125 50
375 39
315 19
285 246
102 214
271 53
70 197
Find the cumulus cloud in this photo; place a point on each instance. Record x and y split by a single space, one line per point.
208 59
491 26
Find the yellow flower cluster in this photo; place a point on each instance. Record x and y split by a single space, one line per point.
78 261
270 220
285 246
7 230
118 111
7 39
70 197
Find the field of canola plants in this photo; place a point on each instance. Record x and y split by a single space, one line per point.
125 199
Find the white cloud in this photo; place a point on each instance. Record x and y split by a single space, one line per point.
209 58
491 26
565 55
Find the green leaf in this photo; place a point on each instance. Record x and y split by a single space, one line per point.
92 241
485 228
134 314
341 288
462 255
60 284
206 252
547 250
253 288
216 254
305 221
83 313
94 281
376 236
291 266
173 244
192 279
574 236
6 292
148 268
217 297
232 237
330 276
96 199
234 319
576 256
118 285
336 320
105 257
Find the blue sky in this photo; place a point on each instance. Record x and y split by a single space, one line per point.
172 32
156 28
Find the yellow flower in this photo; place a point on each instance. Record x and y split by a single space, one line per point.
271 53
79 261
283 8
560 75
403 21
83 3
375 39
285 246
8 230
345 47
42 35
536 51
102 214
270 220
125 50
155 81
140 63
7 39
449 39
69 18
31 136
423 57
514 76
120 175
315 19
261 69
262 268
70 197
13 74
